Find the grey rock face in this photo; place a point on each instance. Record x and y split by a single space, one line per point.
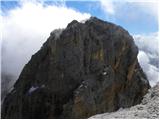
149 108
89 68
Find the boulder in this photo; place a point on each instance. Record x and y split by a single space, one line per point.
82 70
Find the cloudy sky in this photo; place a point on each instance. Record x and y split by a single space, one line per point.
26 24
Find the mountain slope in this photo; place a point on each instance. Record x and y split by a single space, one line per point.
85 69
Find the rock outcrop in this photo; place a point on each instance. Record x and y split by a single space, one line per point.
85 69
148 109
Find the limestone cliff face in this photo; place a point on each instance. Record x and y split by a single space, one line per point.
89 68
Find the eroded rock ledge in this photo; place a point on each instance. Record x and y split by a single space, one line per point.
89 68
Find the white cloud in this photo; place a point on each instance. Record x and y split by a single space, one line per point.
149 42
116 7
143 60
148 55
108 6
150 70
150 8
26 28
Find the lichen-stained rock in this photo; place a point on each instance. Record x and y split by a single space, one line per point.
85 69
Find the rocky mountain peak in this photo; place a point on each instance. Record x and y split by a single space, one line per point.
85 69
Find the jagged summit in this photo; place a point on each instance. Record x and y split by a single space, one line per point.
85 69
